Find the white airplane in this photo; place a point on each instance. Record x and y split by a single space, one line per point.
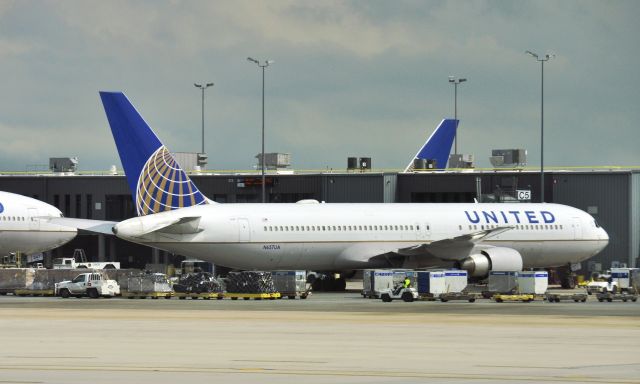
175 216
22 228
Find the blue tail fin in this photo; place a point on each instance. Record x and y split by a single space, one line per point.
438 145
156 180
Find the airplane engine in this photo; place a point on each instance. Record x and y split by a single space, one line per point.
492 259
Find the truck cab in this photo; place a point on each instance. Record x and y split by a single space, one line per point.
92 284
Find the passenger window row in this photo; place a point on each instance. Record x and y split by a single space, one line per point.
339 228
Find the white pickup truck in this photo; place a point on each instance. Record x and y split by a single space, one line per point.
93 285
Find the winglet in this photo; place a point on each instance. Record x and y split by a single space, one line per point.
156 180
438 145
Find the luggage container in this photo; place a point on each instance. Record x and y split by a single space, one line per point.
431 283
533 282
291 283
502 282
455 280
625 277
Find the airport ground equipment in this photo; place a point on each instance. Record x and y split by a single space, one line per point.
431 284
626 279
558 297
250 282
457 296
533 282
153 285
597 286
291 283
92 284
407 295
200 282
33 292
455 280
503 282
499 298
254 296
79 261
375 281
610 296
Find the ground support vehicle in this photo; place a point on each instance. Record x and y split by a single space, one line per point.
465 296
609 297
79 261
254 296
93 284
406 294
602 287
558 297
526 298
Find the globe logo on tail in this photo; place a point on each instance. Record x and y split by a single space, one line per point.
164 186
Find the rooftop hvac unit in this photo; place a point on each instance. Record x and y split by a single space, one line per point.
63 164
274 160
461 161
352 163
508 157
365 163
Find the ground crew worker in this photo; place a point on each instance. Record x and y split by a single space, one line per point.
407 282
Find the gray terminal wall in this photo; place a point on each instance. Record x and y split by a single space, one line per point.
614 200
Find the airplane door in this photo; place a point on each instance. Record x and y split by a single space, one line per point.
34 224
577 228
244 230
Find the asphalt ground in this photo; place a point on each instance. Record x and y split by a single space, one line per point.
328 338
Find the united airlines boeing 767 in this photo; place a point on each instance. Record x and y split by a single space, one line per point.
175 216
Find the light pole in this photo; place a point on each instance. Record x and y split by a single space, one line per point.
541 60
264 65
455 81
203 87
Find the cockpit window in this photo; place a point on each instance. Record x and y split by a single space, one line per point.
596 223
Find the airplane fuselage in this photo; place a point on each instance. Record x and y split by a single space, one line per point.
21 227
350 236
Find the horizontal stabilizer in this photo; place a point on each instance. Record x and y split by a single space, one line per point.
95 226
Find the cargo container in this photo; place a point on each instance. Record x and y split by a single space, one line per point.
290 283
626 278
533 282
502 282
431 283
455 280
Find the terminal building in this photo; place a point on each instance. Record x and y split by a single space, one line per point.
611 196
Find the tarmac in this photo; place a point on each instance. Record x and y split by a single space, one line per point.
328 338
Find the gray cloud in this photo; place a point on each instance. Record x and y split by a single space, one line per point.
350 78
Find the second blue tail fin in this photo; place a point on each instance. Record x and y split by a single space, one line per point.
438 145
156 180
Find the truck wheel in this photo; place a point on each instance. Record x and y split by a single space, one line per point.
472 300
609 299
64 293
386 298
93 293
407 297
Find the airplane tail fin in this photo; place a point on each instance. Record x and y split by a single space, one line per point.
156 180
438 145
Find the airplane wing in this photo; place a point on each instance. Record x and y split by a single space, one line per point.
97 226
456 248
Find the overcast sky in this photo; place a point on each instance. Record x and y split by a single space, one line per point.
350 78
